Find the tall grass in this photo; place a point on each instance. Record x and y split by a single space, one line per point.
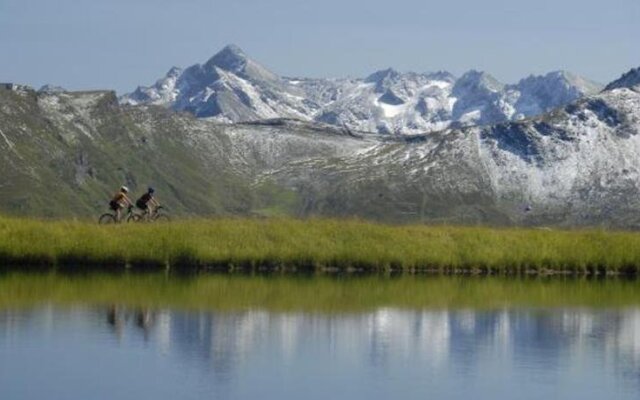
316 244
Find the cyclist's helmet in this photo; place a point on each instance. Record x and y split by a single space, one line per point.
150 190
124 189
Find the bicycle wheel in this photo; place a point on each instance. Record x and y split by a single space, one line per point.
106 219
162 218
134 218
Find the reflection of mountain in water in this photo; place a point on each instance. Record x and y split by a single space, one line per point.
226 343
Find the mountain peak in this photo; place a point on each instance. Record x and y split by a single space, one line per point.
381 75
174 72
48 88
586 86
562 74
230 58
232 51
478 79
629 80
233 59
558 82
232 48
442 76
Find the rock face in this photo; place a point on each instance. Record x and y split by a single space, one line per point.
231 87
630 80
64 153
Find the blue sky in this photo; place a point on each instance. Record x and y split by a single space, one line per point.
119 44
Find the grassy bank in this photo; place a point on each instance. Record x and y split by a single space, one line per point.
315 244
319 294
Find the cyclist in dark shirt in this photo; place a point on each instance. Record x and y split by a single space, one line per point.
148 203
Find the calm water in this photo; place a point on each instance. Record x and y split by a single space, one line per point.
114 352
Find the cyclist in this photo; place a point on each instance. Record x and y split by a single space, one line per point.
120 201
146 202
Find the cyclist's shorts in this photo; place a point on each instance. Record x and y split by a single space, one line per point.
114 205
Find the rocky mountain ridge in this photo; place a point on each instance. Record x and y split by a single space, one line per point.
629 80
231 87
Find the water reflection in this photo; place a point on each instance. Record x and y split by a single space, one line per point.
422 352
117 317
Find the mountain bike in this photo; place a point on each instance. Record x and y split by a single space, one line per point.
158 215
110 217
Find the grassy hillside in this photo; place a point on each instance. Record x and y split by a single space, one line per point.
316 244
63 155
66 154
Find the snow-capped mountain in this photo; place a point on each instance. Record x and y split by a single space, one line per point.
231 87
64 152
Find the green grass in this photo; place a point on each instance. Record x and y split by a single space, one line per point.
317 294
316 244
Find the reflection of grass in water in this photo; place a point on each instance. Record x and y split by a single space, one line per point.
324 294
316 243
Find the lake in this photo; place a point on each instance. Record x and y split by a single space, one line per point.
124 337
